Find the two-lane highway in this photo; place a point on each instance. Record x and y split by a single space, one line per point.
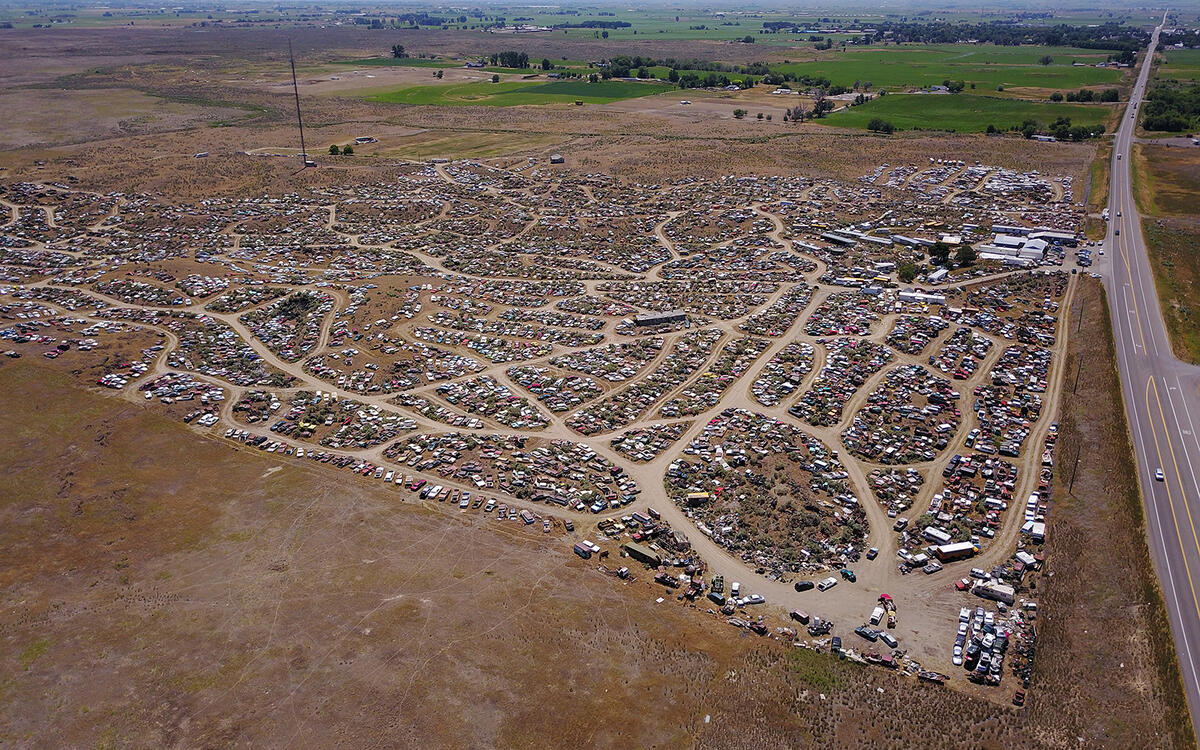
1162 397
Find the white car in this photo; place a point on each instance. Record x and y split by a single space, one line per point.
1158 475
958 653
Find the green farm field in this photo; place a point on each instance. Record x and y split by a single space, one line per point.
964 113
516 93
986 66
1181 65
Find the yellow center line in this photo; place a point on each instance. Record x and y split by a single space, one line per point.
1170 498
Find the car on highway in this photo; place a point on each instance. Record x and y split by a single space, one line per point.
1158 475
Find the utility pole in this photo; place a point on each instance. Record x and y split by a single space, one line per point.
300 120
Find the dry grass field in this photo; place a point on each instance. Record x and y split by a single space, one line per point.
1167 190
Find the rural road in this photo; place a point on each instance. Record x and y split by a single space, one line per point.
1162 396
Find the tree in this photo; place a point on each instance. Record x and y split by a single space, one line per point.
673 76
1045 59
940 252
1056 97
965 256
495 78
511 59
880 125
748 39
347 150
821 104
907 271
397 50
546 64
604 34
333 150
1061 128
739 113
991 129
438 74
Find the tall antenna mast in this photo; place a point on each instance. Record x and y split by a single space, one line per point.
299 119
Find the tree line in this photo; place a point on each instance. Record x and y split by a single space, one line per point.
1172 108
